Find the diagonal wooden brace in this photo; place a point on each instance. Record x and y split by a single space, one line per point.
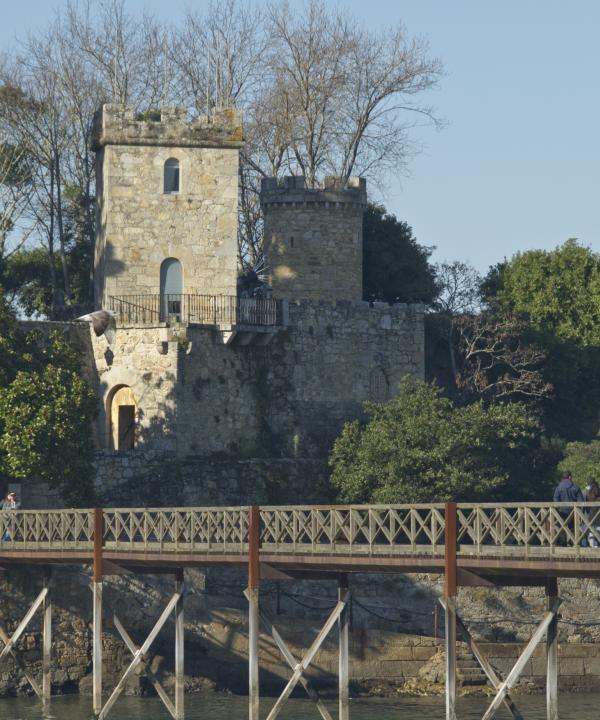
139 654
292 662
518 667
5 638
491 675
133 648
23 624
301 667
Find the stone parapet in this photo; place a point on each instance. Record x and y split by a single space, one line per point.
293 189
170 127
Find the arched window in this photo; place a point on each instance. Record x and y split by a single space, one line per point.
378 386
123 411
171 289
171 176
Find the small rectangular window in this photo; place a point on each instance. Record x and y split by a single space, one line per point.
171 176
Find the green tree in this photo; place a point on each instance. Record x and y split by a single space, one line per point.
395 267
46 412
420 447
557 292
27 281
583 460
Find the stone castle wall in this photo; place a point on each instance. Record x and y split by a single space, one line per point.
199 397
313 238
139 226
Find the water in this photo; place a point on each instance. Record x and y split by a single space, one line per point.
224 707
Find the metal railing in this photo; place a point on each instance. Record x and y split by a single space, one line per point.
535 530
199 309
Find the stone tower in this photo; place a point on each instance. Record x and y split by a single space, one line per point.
167 194
313 238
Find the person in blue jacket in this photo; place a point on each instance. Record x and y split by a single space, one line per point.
567 491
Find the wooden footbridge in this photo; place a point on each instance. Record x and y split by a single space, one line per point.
488 545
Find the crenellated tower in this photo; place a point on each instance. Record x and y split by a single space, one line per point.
167 193
313 238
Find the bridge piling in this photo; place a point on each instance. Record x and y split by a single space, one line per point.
179 648
450 590
47 642
343 626
253 612
552 652
97 579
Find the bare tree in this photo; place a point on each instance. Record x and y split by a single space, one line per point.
217 57
15 191
127 54
497 362
460 288
320 96
459 292
349 96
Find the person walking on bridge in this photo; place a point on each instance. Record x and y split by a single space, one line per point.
9 503
568 492
592 494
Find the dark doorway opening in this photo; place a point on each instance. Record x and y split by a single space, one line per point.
126 427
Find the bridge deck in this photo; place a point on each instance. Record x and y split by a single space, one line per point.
539 539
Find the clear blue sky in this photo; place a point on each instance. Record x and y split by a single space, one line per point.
517 166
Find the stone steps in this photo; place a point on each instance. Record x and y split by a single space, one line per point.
468 670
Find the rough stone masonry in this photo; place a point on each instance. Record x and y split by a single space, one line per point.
197 391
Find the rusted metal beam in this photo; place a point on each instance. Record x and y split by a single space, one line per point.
467 578
450 565
112 568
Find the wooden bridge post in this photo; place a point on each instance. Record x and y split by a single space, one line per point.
179 648
47 642
97 622
552 653
450 588
253 611
343 622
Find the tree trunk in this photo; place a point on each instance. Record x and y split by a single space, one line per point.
61 230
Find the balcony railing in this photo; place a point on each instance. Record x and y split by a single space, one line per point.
199 309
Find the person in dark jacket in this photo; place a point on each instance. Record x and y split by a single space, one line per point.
568 492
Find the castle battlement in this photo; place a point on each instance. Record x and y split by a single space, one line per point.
313 237
120 125
292 189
